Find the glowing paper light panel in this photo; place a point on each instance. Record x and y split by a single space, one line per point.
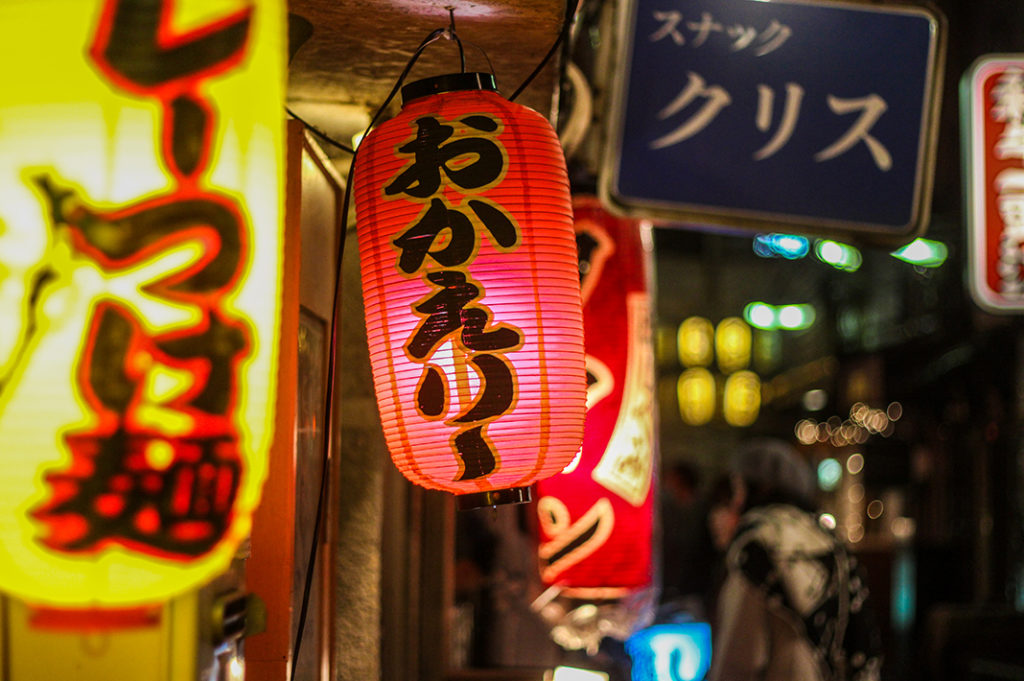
993 171
596 517
140 238
671 652
471 290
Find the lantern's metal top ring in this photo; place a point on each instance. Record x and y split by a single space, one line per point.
451 82
494 497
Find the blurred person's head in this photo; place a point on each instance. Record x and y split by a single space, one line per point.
762 471
772 471
724 510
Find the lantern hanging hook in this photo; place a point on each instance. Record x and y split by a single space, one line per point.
450 34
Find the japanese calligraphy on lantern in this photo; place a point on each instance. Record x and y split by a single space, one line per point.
139 289
992 107
454 302
749 114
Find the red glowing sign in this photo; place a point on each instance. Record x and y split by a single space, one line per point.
596 517
992 105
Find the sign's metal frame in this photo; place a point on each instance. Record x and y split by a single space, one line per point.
725 219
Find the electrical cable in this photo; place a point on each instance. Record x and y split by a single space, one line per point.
451 35
332 354
490 66
563 36
319 133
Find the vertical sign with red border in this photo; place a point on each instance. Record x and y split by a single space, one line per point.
140 292
596 517
992 109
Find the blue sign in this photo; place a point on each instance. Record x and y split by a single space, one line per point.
679 651
760 115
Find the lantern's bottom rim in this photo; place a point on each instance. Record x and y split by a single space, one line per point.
494 497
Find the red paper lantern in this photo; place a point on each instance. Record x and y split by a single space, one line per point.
596 518
471 290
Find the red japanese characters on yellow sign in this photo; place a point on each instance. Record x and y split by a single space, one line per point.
140 239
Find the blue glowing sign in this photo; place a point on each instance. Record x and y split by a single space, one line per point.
788 246
753 114
671 652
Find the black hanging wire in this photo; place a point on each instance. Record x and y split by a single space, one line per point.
563 37
490 66
433 36
332 353
451 35
319 133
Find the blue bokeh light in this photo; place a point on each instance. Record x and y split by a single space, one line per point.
671 652
788 246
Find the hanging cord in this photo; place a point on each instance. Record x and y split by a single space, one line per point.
563 36
320 133
451 35
332 353
490 66
434 35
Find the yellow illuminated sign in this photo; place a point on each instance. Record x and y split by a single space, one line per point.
695 341
733 342
741 399
140 239
695 391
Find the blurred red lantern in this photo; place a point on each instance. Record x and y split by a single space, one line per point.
596 518
471 290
